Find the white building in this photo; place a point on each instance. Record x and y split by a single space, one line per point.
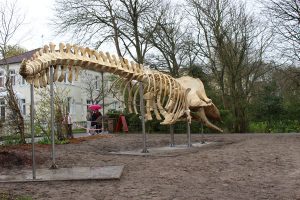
78 99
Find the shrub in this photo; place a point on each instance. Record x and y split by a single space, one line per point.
258 127
280 126
46 140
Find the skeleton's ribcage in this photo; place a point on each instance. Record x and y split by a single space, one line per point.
164 97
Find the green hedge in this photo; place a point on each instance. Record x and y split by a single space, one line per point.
281 126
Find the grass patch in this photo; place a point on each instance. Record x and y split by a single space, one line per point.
78 130
46 140
10 196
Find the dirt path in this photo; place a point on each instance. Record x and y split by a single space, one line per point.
238 166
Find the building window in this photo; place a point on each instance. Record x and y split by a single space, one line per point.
97 82
23 82
73 106
23 106
66 78
1 79
68 108
13 76
88 102
2 109
66 81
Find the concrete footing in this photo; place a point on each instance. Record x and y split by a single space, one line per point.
66 174
160 150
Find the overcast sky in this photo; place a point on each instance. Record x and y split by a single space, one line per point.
37 31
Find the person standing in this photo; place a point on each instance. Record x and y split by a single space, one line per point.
95 121
98 122
88 122
68 122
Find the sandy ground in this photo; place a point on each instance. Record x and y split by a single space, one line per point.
237 166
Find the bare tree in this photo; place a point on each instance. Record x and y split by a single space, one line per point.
10 23
92 86
232 45
285 18
173 39
207 17
121 21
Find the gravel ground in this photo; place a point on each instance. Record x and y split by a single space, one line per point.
235 166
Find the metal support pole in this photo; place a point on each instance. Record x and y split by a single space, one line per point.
32 130
142 108
53 166
189 134
202 134
102 103
172 135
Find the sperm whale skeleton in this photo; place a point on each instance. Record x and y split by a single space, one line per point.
168 99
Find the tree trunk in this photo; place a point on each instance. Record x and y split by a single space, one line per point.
16 117
240 122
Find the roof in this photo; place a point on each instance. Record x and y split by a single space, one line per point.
19 58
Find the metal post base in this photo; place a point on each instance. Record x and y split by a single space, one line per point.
145 151
53 166
189 144
202 135
172 143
